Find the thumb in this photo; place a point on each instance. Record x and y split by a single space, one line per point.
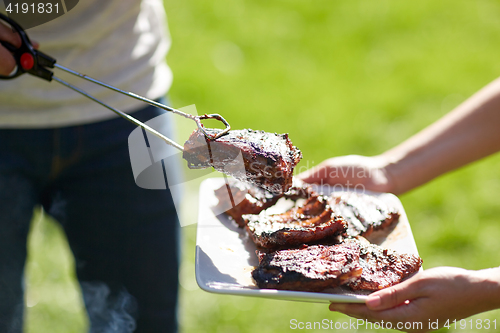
320 174
307 176
393 296
7 61
315 175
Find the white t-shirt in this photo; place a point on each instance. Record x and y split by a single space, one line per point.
120 42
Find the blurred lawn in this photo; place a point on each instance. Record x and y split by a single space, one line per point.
343 77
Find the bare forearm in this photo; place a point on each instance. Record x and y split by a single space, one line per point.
468 133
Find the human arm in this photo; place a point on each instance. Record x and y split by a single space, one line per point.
468 133
437 294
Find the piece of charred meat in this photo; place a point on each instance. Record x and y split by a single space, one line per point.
363 213
382 268
308 223
355 264
238 198
264 159
311 268
299 191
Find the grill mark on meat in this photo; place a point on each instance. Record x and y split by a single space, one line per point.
311 222
230 195
267 161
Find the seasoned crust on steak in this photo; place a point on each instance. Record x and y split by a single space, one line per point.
383 268
363 213
312 268
311 222
358 265
267 159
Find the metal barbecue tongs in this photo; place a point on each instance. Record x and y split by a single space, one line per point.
29 60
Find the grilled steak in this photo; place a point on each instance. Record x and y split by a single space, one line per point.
358 265
383 268
264 159
363 213
299 191
312 268
311 222
238 198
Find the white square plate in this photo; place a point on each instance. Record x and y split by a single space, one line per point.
225 255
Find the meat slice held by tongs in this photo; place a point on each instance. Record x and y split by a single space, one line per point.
257 157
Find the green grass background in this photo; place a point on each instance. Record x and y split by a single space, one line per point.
341 77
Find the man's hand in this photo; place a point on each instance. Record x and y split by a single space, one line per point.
7 61
438 294
353 171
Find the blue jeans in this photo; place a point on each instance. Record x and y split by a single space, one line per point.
124 238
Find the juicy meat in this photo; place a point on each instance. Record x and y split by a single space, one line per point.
358 265
311 222
383 268
238 198
264 159
312 268
363 213
302 191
